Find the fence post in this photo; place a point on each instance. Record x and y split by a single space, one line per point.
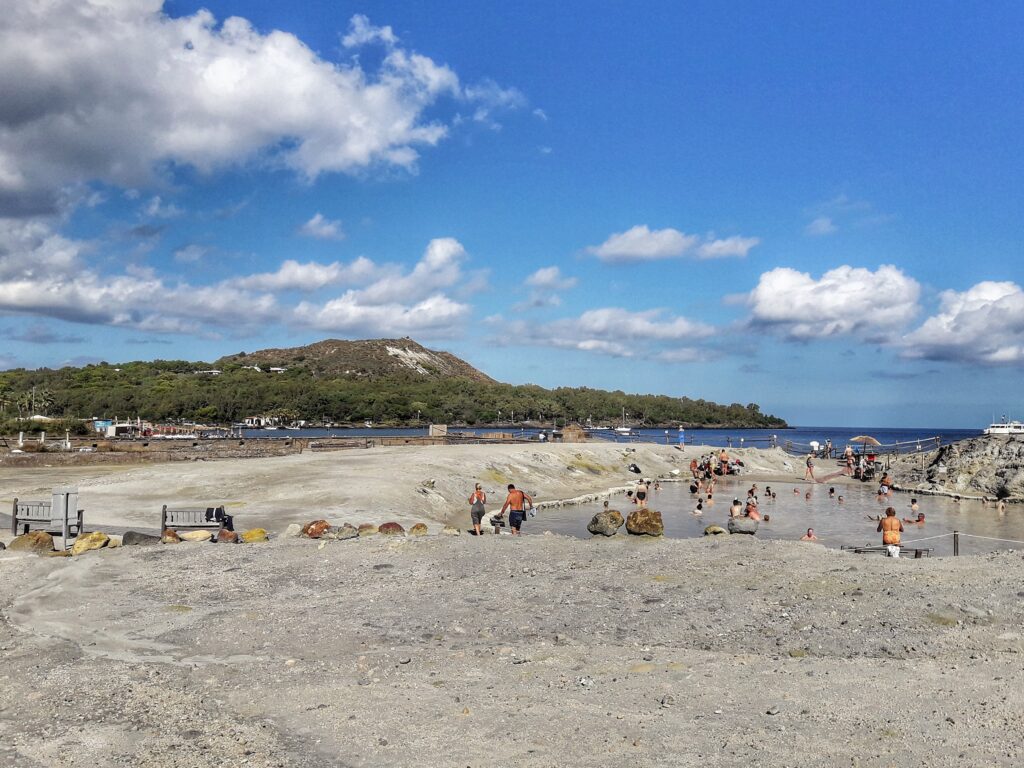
956 543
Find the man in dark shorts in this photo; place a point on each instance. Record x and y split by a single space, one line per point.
516 502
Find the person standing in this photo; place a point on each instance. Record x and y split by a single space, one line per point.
516 502
809 472
890 527
642 489
477 500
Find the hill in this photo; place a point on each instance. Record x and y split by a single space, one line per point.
366 359
386 381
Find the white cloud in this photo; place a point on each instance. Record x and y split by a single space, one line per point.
984 324
310 276
727 247
362 32
822 225
640 243
190 254
540 114
95 90
489 98
158 209
322 228
551 278
845 300
440 267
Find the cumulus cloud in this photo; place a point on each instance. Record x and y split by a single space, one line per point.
489 98
322 228
156 208
190 254
640 243
311 276
116 91
984 324
362 32
551 278
845 300
820 226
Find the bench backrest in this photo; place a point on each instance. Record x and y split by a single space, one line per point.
62 506
195 517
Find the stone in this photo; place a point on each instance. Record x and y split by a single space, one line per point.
58 553
714 530
315 529
391 529
645 522
451 530
342 532
742 525
420 529
170 536
2 546
224 536
33 541
114 542
367 529
89 541
136 539
254 535
293 530
196 535
606 523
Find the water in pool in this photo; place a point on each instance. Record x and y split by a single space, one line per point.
835 523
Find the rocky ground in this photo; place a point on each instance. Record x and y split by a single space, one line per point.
991 467
496 651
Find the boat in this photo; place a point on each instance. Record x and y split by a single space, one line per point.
624 430
1005 427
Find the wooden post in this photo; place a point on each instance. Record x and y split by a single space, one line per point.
956 543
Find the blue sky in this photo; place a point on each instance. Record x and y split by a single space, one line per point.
815 207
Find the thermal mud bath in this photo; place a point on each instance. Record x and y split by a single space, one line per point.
494 650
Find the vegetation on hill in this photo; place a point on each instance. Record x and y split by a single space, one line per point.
168 390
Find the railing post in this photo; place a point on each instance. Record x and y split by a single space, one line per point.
956 543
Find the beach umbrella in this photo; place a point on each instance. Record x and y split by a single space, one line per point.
864 440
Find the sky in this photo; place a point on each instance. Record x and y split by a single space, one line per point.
816 207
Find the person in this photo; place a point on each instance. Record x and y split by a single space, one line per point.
807 496
891 527
641 492
657 485
831 493
885 485
809 472
919 520
913 505
848 467
828 448
477 499
809 536
700 507
736 509
516 502
840 500
752 511
693 467
767 519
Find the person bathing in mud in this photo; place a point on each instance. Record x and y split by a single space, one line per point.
890 527
751 511
919 520
736 510
642 489
809 536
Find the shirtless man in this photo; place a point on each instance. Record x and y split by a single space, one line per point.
642 488
809 536
736 509
919 520
516 502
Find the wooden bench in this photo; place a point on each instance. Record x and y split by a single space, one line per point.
868 549
194 518
58 515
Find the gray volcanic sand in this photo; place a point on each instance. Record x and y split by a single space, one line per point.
495 651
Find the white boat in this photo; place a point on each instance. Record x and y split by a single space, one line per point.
1005 427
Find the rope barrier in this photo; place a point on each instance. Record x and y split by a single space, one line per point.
928 538
990 538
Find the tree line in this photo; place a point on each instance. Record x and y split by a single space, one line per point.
167 391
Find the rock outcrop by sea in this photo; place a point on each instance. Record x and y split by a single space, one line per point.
989 466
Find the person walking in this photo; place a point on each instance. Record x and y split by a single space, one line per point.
516 502
477 500
809 472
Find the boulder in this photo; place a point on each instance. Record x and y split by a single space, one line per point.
254 535
293 530
33 541
315 529
646 522
714 530
342 532
170 536
391 529
420 529
742 525
451 530
224 536
606 523
196 535
88 541
367 529
114 542
136 539
2 546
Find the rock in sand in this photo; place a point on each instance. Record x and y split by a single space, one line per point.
342 532
2 546
315 529
367 529
391 529
606 523
170 536
254 535
33 541
224 536
88 541
293 530
196 536
136 539
714 530
451 530
644 521
420 529
742 525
